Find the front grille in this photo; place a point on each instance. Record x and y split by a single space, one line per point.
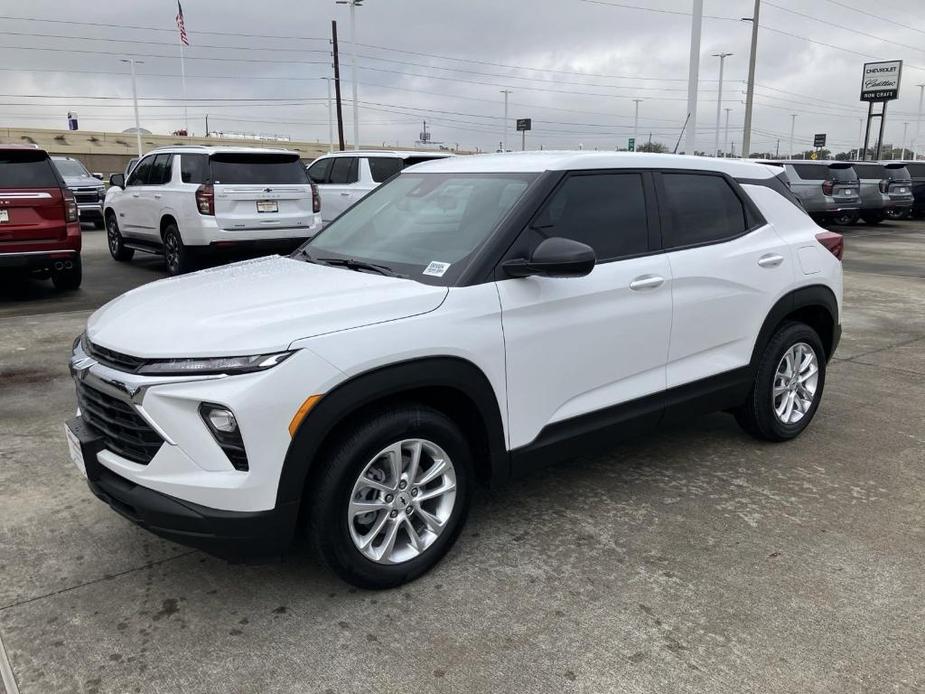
123 430
86 194
114 360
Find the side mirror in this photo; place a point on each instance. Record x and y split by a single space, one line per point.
555 257
97 175
117 180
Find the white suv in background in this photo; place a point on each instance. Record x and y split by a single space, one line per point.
345 177
184 201
465 322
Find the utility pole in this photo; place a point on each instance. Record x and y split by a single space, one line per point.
918 122
750 92
719 100
903 153
726 133
636 125
132 62
777 150
340 112
793 124
506 93
353 63
860 137
207 125
330 117
693 75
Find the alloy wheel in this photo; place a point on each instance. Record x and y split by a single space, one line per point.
112 235
795 381
402 501
172 252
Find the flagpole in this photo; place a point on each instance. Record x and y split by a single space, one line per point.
183 78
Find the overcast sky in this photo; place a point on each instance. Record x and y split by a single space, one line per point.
257 67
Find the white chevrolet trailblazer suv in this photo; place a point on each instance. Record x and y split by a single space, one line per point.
463 323
186 201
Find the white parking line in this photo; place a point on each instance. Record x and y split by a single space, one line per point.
6 672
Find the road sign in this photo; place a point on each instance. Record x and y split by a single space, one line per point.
813 156
819 140
880 81
524 124
631 146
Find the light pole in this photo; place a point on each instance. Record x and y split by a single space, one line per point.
353 66
793 124
719 100
918 120
636 125
132 62
750 91
330 117
726 133
693 75
860 136
902 154
506 92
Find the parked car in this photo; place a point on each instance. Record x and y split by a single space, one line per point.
885 186
39 227
828 190
88 190
130 166
345 177
187 201
463 323
916 171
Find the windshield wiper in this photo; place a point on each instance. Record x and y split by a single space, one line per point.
354 264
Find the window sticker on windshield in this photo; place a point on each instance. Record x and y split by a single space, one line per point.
436 269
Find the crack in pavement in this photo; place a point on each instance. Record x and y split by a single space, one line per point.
107 577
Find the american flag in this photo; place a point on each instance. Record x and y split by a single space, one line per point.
184 39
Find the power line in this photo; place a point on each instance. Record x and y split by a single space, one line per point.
171 57
878 17
653 9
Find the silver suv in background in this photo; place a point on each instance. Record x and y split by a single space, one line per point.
828 190
345 177
87 189
886 190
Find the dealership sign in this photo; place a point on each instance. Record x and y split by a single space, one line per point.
880 81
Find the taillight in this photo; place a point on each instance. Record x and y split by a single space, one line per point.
835 243
316 200
827 187
884 185
70 206
205 199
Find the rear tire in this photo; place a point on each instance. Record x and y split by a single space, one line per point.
872 218
177 256
68 279
765 414
356 469
114 240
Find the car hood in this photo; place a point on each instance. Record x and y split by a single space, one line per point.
82 182
253 307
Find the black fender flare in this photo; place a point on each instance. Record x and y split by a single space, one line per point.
812 296
385 382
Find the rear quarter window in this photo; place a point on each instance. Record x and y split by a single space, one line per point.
27 169
194 168
383 168
916 170
257 169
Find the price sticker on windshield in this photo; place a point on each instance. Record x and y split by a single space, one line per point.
436 269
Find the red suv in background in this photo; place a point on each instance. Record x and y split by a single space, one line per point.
39 227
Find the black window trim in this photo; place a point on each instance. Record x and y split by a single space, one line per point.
169 156
753 217
150 156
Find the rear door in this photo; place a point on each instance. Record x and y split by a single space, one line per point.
340 192
31 201
150 204
260 191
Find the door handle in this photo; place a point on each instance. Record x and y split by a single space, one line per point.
646 282
346 195
157 195
135 195
770 260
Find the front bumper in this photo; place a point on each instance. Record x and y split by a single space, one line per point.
90 211
232 535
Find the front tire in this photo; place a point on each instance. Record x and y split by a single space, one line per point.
115 241
391 496
176 255
788 385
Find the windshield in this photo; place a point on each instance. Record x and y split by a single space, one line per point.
70 167
422 225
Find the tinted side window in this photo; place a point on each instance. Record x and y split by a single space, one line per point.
160 170
320 170
702 209
140 173
27 169
383 168
916 170
605 211
344 170
194 168
811 172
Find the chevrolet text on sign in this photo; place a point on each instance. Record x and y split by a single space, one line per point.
880 81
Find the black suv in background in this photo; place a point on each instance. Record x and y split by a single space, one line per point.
886 190
916 171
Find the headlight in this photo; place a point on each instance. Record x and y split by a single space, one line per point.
101 193
214 365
